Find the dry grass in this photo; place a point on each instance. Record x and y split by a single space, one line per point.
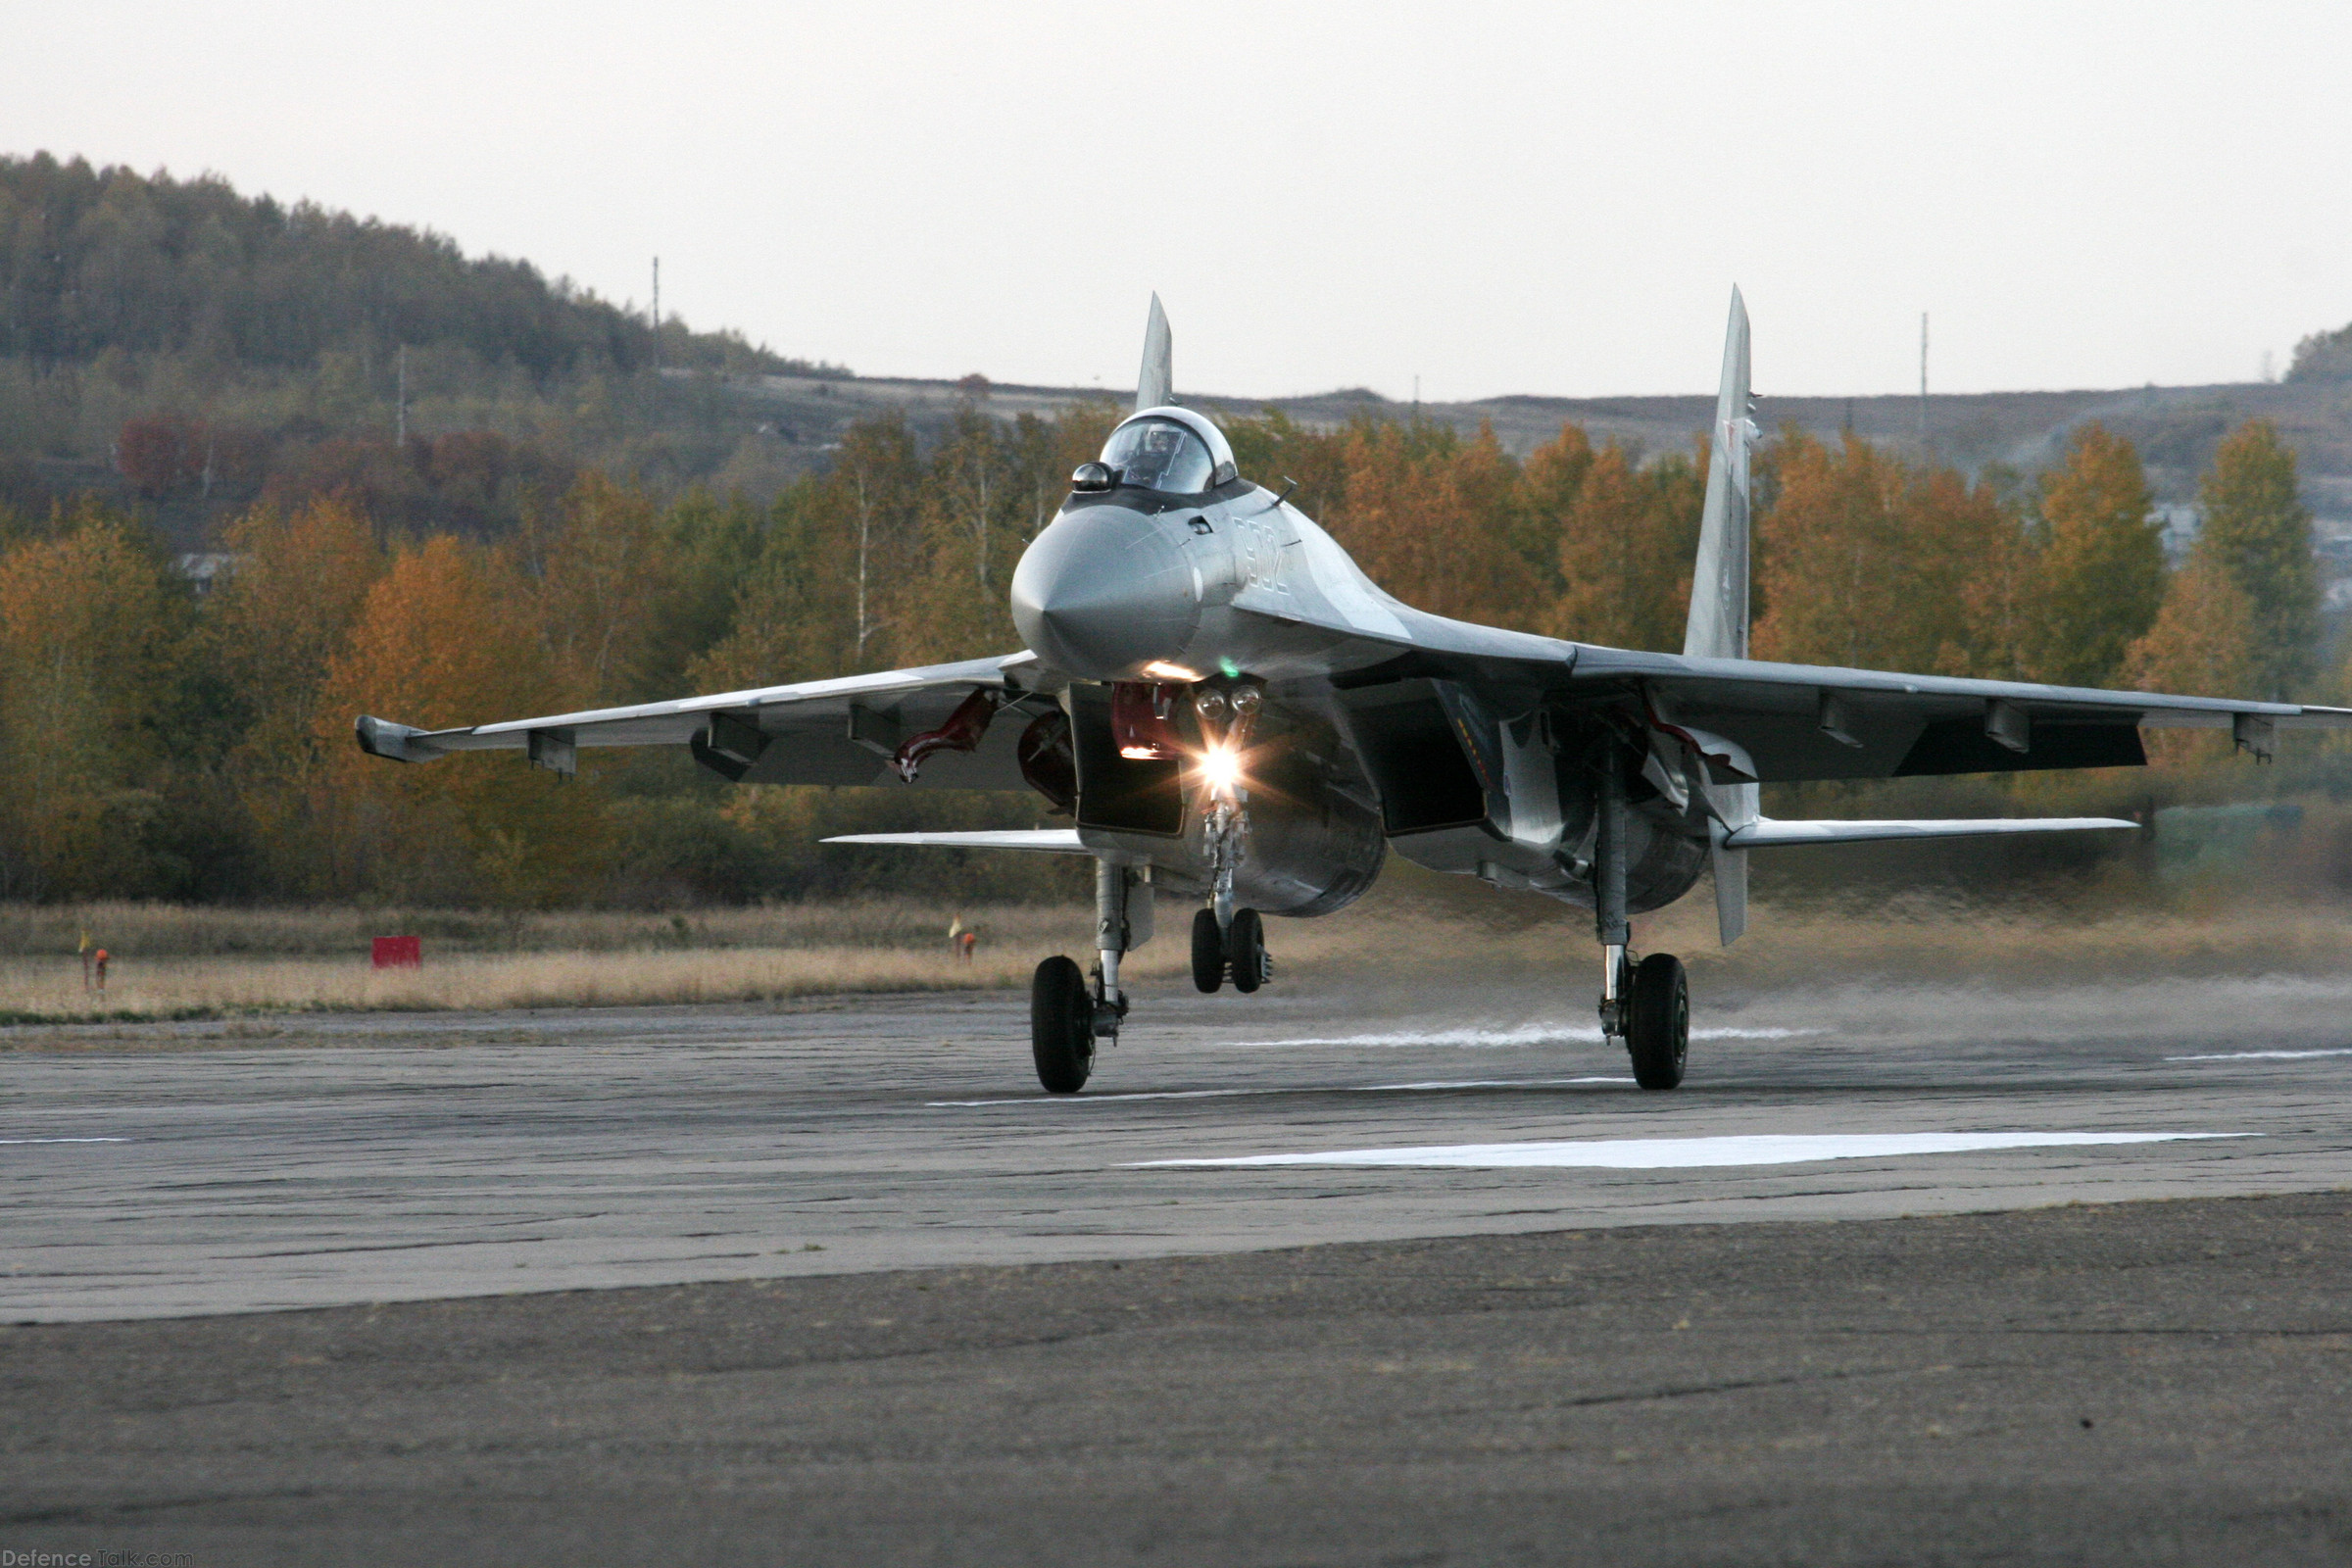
150 931
1409 933
50 990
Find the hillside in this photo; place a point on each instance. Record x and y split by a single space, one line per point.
193 350
176 340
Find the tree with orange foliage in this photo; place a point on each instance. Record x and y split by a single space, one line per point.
1420 517
446 638
1278 452
1550 481
1830 555
2201 645
272 629
1625 552
1863 561
283 612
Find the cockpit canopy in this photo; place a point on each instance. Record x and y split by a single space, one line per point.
1173 451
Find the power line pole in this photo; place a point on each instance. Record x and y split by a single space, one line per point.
400 405
1923 383
656 312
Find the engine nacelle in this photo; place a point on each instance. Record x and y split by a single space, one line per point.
1515 801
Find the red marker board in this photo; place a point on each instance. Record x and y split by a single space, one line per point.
397 953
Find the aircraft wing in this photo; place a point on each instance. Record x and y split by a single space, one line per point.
1805 721
952 726
1795 722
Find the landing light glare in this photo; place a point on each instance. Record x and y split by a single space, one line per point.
1220 770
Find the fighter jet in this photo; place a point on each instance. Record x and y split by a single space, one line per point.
1230 712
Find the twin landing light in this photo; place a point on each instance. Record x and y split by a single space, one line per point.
1226 717
1147 725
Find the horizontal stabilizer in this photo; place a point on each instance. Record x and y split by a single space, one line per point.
1766 834
1049 840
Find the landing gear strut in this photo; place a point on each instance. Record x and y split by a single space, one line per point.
1645 1006
1067 1014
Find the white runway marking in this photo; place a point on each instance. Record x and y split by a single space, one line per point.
1661 1154
2264 1056
64 1140
1528 1034
1226 1094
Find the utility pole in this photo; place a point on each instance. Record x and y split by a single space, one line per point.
1923 383
656 312
400 403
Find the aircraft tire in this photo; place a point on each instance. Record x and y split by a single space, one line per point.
1658 1025
1245 946
1062 1026
1208 951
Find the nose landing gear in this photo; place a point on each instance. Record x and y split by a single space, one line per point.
1236 953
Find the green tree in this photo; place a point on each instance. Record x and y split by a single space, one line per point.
91 634
2257 530
2102 575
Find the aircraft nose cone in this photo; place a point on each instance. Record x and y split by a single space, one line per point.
1105 591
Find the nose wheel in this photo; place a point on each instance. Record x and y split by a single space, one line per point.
1236 953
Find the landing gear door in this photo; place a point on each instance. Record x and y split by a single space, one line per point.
1123 794
1441 759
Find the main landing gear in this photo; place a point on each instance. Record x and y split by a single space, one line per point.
1645 1005
1067 1013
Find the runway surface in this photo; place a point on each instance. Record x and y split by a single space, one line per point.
180 1169
2129 1383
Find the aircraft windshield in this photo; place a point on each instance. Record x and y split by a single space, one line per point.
1159 455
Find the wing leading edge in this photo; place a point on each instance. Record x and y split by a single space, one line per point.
858 729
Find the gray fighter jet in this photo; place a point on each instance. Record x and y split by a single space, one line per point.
1230 712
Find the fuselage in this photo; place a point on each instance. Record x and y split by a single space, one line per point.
1180 591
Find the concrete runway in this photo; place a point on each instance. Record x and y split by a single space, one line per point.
1584 1325
178 1169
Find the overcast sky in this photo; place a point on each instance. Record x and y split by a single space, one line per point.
1497 198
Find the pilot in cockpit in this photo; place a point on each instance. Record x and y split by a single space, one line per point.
1159 455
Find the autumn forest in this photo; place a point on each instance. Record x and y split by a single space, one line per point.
526 535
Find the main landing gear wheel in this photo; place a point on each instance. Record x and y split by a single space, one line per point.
1658 1021
1246 951
1062 1026
1208 951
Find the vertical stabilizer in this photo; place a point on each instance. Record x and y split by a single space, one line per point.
1718 624
1154 383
